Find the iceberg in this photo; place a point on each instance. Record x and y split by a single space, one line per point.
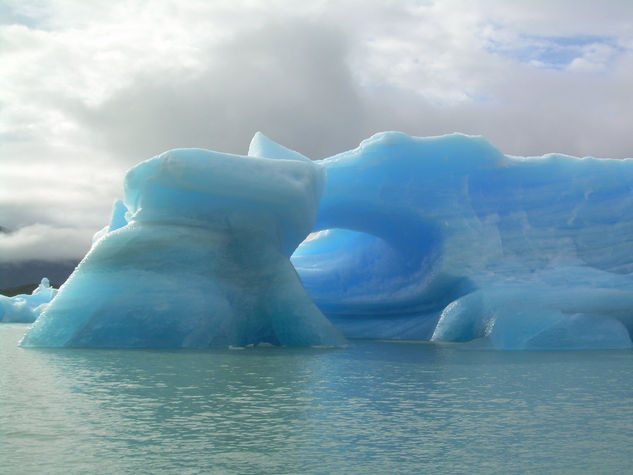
197 255
25 308
439 238
447 239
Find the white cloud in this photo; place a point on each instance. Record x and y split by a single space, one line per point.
87 89
46 243
595 58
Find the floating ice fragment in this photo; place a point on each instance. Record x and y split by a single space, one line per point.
24 308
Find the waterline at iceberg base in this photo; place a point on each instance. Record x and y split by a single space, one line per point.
440 238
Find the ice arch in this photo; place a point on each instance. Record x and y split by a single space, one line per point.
464 243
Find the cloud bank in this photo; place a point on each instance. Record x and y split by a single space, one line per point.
44 243
88 89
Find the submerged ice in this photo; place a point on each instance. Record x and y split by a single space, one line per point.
440 238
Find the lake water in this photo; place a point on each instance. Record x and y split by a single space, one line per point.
375 407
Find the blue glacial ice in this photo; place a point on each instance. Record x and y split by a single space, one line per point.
25 308
197 255
440 238
447 239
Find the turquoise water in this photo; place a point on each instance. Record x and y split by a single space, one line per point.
376 407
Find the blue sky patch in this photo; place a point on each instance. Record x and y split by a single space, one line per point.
554 52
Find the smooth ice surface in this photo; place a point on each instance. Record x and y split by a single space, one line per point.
516 253
24 308
197 255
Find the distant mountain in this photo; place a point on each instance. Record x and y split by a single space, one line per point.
31 272
20 289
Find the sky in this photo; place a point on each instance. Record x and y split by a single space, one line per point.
90 88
